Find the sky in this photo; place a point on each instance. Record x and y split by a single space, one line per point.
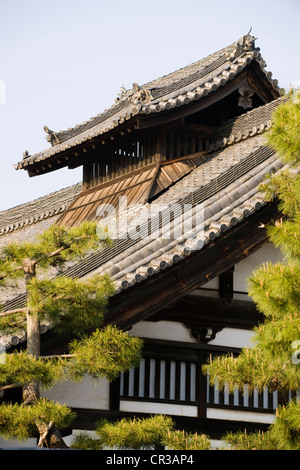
64 61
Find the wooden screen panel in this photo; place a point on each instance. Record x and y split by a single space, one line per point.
119 160
135 187
180 144
160 380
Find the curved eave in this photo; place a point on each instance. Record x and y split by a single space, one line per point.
71 151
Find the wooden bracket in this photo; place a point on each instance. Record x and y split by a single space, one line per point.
203 334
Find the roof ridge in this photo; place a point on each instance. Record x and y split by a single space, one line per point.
123 96
192 65
143 101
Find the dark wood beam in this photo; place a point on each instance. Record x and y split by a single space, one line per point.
209 311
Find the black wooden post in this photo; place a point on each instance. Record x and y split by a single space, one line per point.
201 384
114 395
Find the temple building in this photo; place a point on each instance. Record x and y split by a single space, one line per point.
173 167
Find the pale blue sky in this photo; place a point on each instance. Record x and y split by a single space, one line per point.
64 61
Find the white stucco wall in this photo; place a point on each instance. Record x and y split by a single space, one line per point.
244 269
166 330
85 394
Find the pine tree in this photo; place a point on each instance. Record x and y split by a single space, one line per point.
155 432
67 304
273 361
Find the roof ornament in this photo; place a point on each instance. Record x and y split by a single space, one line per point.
137 95
52 137
140 95
25 154
247 42
244 44
245 100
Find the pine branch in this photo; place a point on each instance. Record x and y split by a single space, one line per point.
12 312
58 356
64 247
7 387
9 273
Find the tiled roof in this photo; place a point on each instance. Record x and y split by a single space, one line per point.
252 123
227 186
40 209
226 183
177 89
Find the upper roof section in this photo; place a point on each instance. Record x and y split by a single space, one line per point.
193 83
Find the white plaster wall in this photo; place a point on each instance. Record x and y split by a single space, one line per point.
175 331
244 269
247 416
233 337
162 408
212 284
167 330
85 394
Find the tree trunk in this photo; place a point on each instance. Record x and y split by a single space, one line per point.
31 391
50 437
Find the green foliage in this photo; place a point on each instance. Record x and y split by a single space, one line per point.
250 441
20 421
275 288
104 353
286 186
141 433
13 323
182 440
9 269
283 434
285 430
20 368
85 441
258 368
53 247
70 304
67 304
284 135
136 433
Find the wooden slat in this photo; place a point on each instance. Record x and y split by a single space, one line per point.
177 380
188 366
147 377
126 384
167 379
135 186
157 378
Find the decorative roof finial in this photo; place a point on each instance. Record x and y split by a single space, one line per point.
51 137
247 42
